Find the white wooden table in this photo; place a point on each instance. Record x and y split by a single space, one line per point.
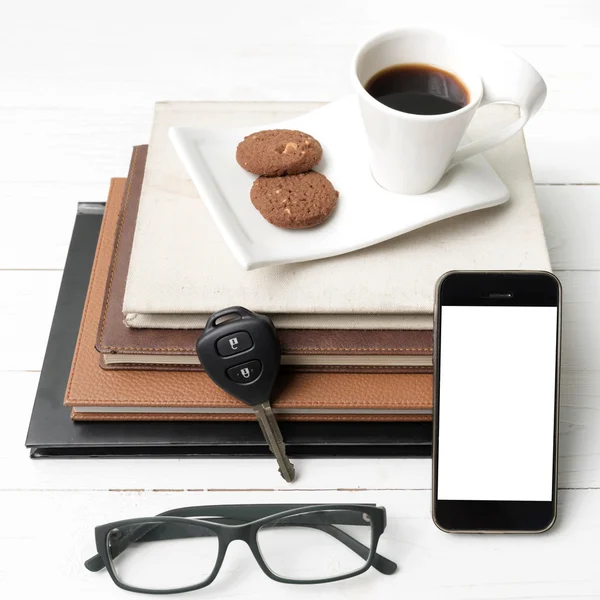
77 86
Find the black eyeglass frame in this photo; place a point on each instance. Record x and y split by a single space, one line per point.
252 518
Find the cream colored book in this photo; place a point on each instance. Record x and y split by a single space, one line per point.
181 269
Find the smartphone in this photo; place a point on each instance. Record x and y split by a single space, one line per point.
496 396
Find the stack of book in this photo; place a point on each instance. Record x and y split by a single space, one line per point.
355 330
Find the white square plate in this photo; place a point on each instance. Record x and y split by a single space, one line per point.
366 213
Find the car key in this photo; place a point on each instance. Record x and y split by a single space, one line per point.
240 352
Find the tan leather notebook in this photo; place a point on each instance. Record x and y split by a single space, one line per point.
302 349
98 394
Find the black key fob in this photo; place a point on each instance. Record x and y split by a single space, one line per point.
240 352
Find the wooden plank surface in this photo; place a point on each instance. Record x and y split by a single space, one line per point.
78 86
431 564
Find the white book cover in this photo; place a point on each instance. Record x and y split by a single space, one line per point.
181 269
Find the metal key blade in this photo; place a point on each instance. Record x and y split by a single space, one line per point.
270 428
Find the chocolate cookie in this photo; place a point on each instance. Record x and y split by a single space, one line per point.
294 201
278 152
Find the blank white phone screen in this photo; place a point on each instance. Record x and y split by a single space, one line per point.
496 402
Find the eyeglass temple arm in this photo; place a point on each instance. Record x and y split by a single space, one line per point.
246 512
96 562
382 564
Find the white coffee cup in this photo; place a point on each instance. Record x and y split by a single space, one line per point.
410 153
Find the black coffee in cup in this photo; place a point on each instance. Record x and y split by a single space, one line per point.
418 89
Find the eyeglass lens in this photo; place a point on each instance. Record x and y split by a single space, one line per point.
163 556
315 545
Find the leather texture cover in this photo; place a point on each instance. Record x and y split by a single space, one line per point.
53 434
91 386
114 337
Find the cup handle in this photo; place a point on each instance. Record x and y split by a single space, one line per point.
506 78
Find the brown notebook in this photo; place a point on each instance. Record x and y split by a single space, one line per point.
98 394
302 349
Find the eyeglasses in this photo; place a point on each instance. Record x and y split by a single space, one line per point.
183 549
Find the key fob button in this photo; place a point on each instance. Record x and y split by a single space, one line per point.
234 343
246 372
